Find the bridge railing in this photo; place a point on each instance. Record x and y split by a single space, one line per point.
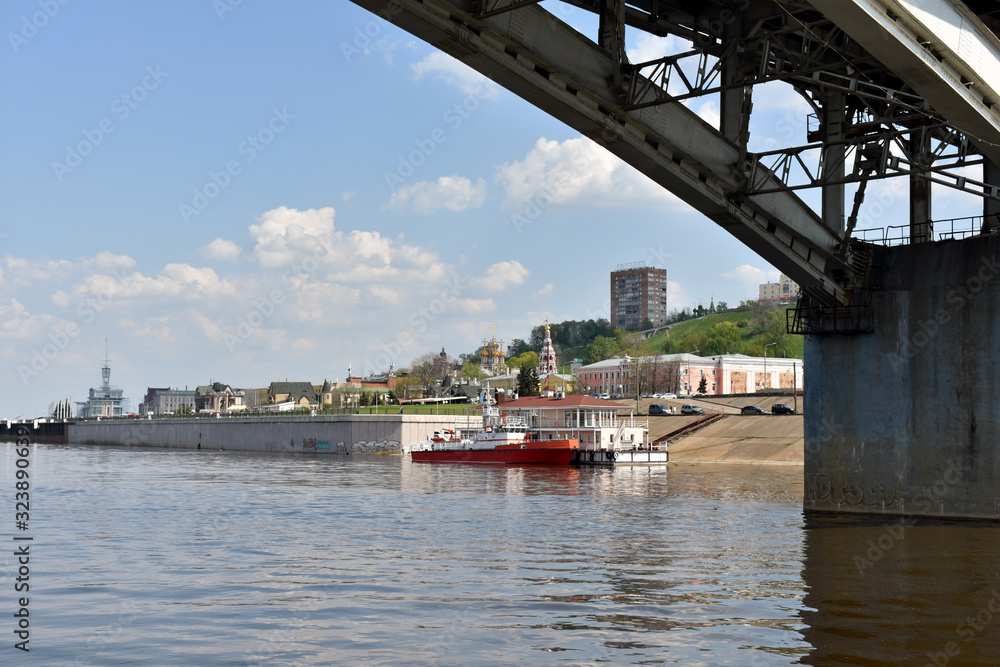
938 230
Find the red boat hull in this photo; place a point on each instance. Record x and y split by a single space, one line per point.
551 452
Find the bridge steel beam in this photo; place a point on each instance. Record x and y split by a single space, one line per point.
546 62
939 48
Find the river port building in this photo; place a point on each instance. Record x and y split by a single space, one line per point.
107 401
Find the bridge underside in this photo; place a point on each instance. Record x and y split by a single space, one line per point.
897 89
870 122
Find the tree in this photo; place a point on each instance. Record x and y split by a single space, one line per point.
517 347
527 381
724 338
703 385
600 349
407 386
425 372
529 358
472 370
721 306
689 343
631 343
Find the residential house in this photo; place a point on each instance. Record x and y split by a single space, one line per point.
217 397
303 394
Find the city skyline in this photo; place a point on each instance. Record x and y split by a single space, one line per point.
290 190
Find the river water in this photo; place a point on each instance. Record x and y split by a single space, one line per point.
165 557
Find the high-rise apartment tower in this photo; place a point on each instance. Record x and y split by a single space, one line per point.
638 296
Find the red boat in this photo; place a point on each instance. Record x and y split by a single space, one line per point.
501 439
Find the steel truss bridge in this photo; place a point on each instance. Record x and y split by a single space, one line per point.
897 88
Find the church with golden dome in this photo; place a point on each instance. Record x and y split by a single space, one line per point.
492 358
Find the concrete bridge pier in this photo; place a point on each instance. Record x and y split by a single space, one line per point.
905 420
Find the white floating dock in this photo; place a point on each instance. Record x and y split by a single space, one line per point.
621 457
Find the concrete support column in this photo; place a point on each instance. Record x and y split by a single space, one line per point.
921 229
905 421
832 124
991 207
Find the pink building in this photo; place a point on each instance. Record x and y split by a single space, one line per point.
682 374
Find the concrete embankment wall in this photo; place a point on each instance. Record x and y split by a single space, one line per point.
341 434
906 420
744 439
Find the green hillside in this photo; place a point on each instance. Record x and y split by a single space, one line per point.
753 330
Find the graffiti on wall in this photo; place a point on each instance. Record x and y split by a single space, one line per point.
848 491
375 447
307 445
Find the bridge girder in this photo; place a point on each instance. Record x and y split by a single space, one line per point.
548 63
941 49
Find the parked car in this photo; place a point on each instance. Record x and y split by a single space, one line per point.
692 410
752 410
657 409
669 396
782 409
605 396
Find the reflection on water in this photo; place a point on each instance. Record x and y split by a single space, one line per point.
227 558
889 594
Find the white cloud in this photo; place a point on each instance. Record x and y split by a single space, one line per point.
220 250
475 306
60 298
779 95
578 172
708 111
545 291
283 231
452 193
309 248
677 298
747 274
306 290
501 276
650 47
175 282
23 271
444 68
17 322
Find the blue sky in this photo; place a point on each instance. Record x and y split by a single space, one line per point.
285 189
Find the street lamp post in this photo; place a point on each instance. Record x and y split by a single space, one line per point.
767 379
626 361
689 369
